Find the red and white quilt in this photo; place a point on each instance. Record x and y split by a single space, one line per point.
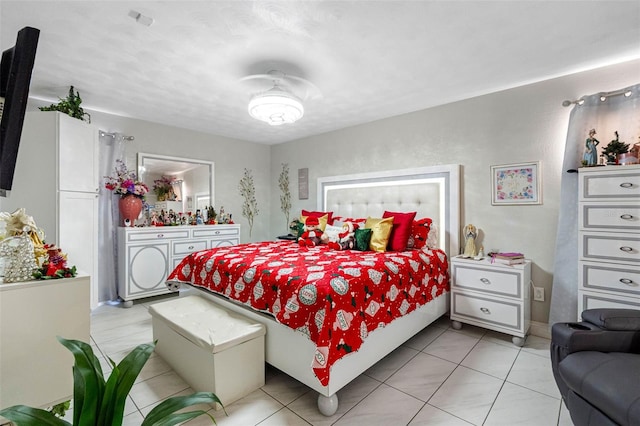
336 298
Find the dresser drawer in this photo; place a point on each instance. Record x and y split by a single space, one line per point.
622 183
216 231
609 277
489 280
184 248
503 314
594 300
156 233
610 216
615 247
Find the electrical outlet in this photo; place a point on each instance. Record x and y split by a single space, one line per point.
538 294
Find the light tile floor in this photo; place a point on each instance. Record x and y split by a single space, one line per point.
439 377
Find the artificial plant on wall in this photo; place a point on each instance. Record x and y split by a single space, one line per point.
248 192
70 106
285 197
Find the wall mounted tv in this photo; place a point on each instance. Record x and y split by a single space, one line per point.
15 77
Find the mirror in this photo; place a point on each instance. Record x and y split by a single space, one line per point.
181 184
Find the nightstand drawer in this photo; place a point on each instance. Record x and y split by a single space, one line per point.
609 277
499 313
621 247
610 217
490 280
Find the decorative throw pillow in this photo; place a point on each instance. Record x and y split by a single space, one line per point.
322 219
319 215
363 238
332 232
360 221
401 229
419 233
380 232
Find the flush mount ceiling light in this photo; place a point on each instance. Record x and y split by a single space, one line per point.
276 107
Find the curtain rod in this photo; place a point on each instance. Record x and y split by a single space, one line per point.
113 135
603 97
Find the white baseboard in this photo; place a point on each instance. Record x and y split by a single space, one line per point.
540 329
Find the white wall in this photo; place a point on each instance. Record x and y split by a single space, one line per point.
517 125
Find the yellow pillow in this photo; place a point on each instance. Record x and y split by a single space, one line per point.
322 220
380 232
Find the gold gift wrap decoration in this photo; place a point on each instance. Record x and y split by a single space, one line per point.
21 246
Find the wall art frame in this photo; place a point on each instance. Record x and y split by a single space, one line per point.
516 184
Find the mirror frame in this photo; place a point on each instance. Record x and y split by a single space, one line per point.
145 155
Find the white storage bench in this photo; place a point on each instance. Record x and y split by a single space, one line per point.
211 348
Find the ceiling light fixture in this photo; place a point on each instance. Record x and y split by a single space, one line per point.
276 107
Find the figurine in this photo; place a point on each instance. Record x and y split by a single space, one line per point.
470 235
590 157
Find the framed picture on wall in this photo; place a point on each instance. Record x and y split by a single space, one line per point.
513 184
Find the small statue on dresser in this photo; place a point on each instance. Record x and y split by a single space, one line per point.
590 156
470 235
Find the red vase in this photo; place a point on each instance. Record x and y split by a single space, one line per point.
130 207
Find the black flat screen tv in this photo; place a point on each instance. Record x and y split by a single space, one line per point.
15 77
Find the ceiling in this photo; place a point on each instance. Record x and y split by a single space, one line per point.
369 59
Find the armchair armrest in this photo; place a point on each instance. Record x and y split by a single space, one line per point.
613 319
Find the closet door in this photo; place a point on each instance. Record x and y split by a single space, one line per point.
78 155
78 234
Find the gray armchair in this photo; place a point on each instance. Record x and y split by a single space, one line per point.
596 365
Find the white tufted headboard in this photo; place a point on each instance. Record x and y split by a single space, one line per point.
430 191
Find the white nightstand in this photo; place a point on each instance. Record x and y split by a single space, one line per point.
492 296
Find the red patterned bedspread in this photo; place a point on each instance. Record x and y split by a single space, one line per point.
336 298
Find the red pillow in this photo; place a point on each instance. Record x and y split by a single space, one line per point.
319 214
419 232
401 229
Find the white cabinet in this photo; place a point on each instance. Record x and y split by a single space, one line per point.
491 295
56 181
35 369
146 256
609 237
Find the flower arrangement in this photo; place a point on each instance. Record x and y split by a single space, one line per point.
285 197
55 266
163 188
248 192
125 182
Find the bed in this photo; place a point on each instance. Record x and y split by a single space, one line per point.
330 315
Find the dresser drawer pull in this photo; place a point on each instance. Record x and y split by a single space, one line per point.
485 281
217 232
626 281
190 247
626 216
485 311
626 249
159 235
626 185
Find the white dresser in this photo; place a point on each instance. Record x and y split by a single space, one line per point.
609 237
492 296
146 256
35 369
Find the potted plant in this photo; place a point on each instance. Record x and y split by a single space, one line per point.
70 106
614 149
98 402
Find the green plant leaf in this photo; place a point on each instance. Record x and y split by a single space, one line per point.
168 407
28 416
178 418
88 382
107 410
120 385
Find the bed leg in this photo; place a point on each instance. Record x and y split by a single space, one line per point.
328 405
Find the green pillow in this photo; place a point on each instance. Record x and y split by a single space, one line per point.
363 237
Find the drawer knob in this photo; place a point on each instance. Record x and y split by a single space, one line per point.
626 249
485 311
485 281
160 235
626 185
626 216
217 232
190 247
626 281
